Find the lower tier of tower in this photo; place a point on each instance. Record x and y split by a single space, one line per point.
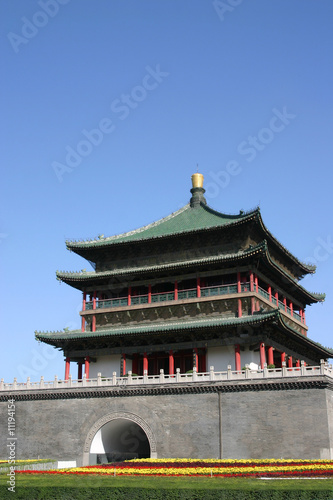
185 360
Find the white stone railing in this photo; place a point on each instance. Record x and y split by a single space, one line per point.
177 378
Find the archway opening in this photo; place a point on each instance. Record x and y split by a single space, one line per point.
118 440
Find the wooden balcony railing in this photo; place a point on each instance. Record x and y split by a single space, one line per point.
209 291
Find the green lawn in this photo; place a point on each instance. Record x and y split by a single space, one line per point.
37 487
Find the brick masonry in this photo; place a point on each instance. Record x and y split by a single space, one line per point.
209 422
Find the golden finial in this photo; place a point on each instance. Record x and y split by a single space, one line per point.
197 180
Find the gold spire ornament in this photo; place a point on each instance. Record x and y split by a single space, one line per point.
197 180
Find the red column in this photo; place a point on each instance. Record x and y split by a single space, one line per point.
283 357
171 363
270 356
83 320
239 289
276 295
145 362
270 293
251 282
94 300
257 290
239 286
67 366
123 365
240 312
298 363
79 371
129 295
195 358
237 358
94 323
262 355
86 366
285 303
291 308
198 288
290 362
176 290
149 294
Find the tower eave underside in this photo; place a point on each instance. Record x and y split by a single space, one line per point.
268 328
258 258
251 225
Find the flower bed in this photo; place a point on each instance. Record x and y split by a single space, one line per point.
209 467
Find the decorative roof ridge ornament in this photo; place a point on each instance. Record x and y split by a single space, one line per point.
197 191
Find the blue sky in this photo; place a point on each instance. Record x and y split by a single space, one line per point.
107 108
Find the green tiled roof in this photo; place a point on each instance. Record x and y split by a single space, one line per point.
162 327
262 248
159 327
187 219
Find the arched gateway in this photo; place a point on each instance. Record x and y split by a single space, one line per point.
119 436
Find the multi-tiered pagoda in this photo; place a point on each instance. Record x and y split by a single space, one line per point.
196 289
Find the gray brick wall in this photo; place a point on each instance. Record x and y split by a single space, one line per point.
255 424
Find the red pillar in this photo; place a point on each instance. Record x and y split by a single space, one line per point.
149 294
270 293
285 303
257 290
176 290
270 356
276 295
298 363
94 300
239 286
198 288
283 357
237 358
86 366
251 282
123 365
290 362
171 363
291 308
145 362
79 371
262 355
83 320
129 295
239 289
94 323
195 358
67 366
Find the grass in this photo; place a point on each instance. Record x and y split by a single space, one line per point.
70 487
215 483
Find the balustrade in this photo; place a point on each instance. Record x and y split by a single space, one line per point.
208 291
246 374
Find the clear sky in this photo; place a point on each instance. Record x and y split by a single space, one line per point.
107 106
